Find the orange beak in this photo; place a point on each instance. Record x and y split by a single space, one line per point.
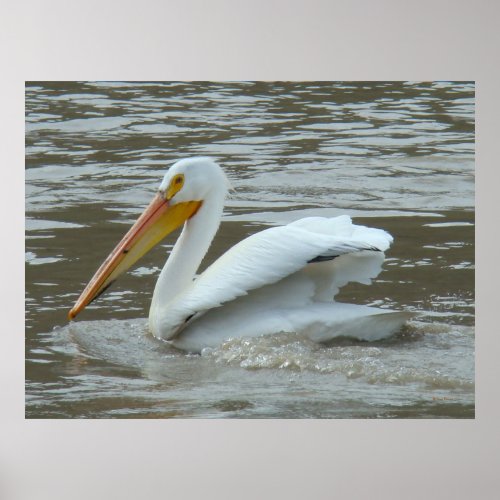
158 220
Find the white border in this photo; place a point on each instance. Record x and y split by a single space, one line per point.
258 40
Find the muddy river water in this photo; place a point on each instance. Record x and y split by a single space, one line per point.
398 156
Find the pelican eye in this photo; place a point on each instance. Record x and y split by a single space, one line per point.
175 186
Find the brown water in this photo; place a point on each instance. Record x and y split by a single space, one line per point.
399 156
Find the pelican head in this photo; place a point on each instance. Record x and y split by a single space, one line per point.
192 179
185 187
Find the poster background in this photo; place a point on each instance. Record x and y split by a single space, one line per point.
258 40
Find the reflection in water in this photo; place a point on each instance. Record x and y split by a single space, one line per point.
399 156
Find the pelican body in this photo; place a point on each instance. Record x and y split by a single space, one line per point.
282 279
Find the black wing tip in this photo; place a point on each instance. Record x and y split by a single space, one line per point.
324 258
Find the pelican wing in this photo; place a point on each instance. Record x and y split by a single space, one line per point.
269 256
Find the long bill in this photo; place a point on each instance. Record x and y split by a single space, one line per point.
158 220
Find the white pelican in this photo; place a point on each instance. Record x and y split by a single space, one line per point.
282 279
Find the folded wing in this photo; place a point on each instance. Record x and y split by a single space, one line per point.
317 255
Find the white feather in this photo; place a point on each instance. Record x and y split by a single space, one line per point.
280 279
263 280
